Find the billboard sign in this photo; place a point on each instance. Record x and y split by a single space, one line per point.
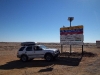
71 35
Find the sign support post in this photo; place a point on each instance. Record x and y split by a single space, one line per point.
61 48
82 50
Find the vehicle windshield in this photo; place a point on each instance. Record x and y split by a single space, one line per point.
43 47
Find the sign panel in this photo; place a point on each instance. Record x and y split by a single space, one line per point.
71 35
98 43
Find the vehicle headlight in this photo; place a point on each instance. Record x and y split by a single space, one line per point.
56 52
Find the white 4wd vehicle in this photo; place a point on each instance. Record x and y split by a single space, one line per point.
37 51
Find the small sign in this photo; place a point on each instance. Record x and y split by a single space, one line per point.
98 43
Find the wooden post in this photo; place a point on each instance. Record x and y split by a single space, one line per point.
61 48
82 50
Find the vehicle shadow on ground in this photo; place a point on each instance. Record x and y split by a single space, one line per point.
77 54
63 59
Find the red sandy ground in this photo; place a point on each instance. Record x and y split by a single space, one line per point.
88 64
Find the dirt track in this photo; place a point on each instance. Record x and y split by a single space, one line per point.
88 64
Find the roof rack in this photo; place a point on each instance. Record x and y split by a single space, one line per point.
27 43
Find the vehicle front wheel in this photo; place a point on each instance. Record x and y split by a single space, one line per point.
48 57
56 57
24 58
31 59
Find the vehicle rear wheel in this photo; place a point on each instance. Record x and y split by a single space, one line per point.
48 57
24 58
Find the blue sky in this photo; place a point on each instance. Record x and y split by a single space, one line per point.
40 20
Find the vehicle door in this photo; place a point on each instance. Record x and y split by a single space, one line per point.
29 51
38 52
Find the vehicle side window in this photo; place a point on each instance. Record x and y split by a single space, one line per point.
37 48
21 49
29 49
